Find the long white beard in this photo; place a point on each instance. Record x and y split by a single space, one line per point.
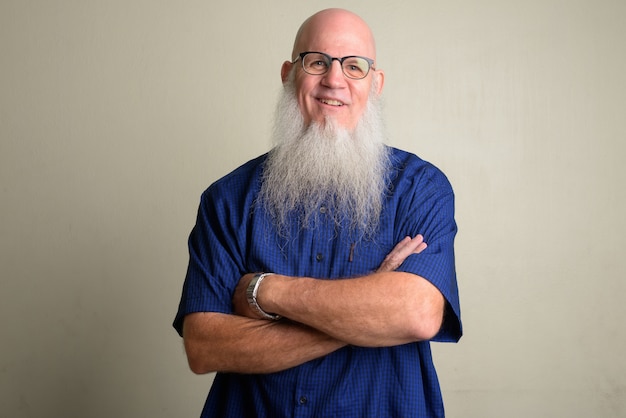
325 165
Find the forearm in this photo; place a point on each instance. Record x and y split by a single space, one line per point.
381 309
230 343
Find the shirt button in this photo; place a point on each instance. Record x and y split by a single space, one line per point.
323 209
319 257
303 400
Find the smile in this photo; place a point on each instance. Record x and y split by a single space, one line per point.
331 102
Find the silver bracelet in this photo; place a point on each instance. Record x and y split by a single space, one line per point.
251 293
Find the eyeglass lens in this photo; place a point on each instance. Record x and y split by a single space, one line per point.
318 64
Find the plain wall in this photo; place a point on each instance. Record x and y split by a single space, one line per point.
116 115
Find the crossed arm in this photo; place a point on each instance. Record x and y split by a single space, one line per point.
382 309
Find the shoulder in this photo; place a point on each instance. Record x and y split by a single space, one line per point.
409 170
240 182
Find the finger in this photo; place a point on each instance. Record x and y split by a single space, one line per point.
421 247
401 251
402 244
408 246
404 248
419 243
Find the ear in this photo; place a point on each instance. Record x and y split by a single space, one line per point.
380 78
284 70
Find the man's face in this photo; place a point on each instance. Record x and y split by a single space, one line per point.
333 94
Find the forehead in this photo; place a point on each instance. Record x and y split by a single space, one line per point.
337 34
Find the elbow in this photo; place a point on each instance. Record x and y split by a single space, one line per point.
198 348
427 319
199 367
427 328
197 362
199 370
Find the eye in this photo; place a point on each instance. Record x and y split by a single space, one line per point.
356 67
315 63
318 64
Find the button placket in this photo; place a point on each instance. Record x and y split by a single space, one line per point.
319 255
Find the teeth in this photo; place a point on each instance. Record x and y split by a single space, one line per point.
331 102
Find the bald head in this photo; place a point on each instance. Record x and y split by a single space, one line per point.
337 27
331 94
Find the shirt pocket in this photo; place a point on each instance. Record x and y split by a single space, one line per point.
365 257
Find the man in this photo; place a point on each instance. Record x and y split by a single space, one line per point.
310 287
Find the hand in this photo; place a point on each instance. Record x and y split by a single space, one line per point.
401 251
392 261
240 299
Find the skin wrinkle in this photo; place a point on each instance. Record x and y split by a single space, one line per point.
246 344
325 32
326 165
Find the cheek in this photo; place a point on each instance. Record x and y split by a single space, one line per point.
360 99
306 107
363 95
305 101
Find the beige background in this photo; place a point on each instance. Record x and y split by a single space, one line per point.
115 115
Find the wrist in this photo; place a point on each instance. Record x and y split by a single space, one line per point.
252 294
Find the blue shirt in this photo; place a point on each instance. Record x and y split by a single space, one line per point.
233 237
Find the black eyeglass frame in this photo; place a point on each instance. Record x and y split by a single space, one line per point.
369 61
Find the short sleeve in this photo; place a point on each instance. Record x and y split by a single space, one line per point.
217 244
429 210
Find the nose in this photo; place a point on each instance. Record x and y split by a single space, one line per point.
334 77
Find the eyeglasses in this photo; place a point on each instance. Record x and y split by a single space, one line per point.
318 63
